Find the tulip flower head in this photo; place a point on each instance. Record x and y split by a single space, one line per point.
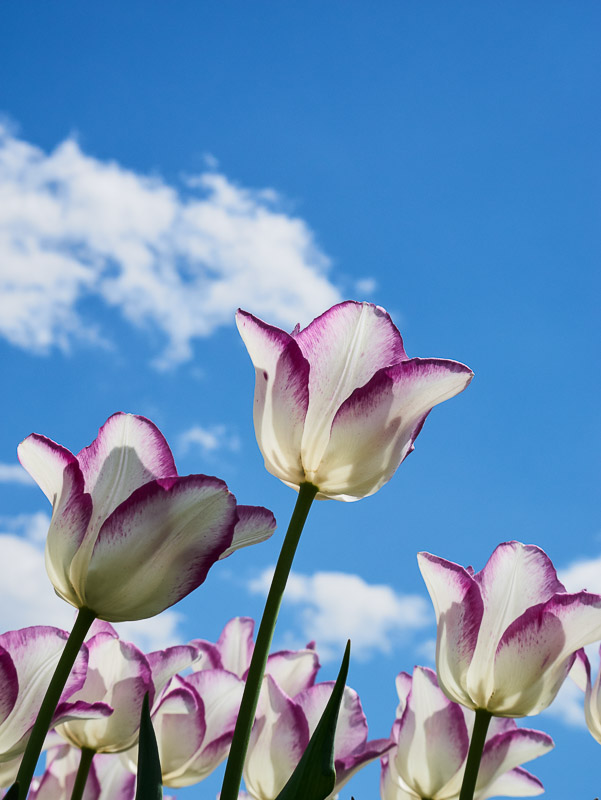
339 404
507 635
28 658
432 736
108 778
282 731
128 536
119 674
581 675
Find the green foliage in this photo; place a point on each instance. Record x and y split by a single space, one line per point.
149 785
315 776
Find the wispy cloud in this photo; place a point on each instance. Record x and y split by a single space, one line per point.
585 573
209 439
336 606
14 473
179 259
27 597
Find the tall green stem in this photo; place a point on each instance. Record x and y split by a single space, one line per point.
470 776
85 762
85 618
250 698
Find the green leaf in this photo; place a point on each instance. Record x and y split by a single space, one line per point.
149 784
13 792
315 776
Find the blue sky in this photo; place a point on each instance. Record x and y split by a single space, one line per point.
163 164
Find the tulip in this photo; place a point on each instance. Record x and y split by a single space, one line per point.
507 635
108 778
28 658
339 404
282 732
294 670
128 537
581 675
431 736
119 674
194 722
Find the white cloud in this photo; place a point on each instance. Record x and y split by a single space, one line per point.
568 706
582 574
27 597
14 473
336 606
177 259
209 440
366 286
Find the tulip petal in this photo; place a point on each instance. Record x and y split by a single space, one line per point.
9 684
66 538
432 739
117 782
277 742
35 653
255 524
459 608
351 728
158 546
345 347
45 461
221 693
119 674
179 723
293 670
403 687
392 786
128 452
374 429
281 395
235 644
164 664
517 783
506 751
515 578
537 651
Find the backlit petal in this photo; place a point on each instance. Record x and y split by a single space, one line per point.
255 524
158 546
459 608
281 395
374 429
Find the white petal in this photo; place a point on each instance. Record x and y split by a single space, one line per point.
281 395
345 347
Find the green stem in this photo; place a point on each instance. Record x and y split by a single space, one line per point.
85 618
85 762
250 698
470 776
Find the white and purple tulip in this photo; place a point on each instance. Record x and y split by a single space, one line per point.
432 736
128 536
28 658
294 670
507 635
581 675
340 404
119 674
282 731
194 721
108 778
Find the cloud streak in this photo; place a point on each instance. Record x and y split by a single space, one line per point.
177 259
336 606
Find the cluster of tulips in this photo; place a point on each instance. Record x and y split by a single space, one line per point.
337 408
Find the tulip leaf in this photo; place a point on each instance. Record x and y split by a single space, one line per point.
315 775
13 792
149 784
